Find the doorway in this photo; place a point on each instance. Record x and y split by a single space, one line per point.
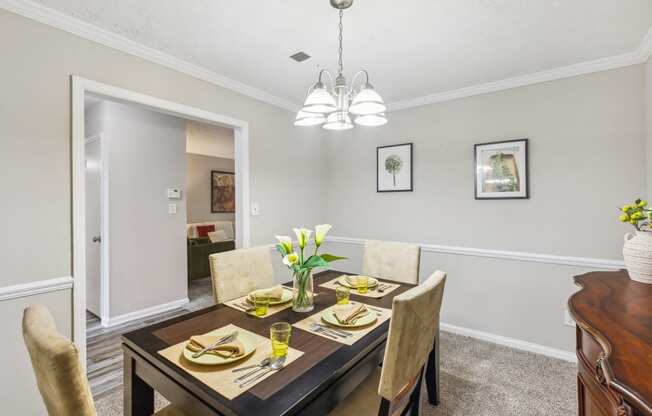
83 253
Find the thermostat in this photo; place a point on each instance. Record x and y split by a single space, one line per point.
174 193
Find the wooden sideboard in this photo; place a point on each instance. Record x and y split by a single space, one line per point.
614 344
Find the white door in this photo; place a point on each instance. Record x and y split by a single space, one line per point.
93 225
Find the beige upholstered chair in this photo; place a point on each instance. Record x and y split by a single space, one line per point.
396 387
59 374
391 260
238 272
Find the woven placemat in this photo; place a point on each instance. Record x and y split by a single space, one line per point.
220 377
237 304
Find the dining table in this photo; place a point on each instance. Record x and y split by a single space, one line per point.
313 384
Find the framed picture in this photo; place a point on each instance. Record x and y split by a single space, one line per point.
394 168
222 191
501 170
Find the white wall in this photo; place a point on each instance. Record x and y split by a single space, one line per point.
198 187
208 140
35 165
586 158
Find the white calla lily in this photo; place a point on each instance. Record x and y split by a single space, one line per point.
303 235
320 233
286 242
291 259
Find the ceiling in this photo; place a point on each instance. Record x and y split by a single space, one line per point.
419 48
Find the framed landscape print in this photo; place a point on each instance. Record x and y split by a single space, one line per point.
394 168
222 191
501 170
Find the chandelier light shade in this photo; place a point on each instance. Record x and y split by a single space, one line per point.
331 103
371 120
367 101
309 119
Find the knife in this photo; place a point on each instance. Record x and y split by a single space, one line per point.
223 340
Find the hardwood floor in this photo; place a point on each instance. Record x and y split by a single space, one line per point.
103 350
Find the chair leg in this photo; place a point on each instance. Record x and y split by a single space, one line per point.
432 374
415 398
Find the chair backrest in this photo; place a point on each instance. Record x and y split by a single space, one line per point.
59 374
238 272
415 319
391 260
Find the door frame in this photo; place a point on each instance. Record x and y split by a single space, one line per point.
80 87
105 280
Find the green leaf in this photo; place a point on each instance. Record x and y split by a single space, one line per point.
315 261
330 257
281 249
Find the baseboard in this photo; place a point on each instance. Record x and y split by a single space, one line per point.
144 313
511 342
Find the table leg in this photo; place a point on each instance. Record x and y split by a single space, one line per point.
432 373
138 395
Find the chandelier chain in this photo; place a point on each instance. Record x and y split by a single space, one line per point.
341 27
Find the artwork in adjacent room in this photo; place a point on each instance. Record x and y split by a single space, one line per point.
222 191
501 170
394 168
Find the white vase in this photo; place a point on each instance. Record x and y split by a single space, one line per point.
637 252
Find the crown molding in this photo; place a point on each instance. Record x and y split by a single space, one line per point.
638 56
67 23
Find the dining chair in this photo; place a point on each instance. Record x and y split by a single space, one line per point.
59 374
395 388
237 273
391 260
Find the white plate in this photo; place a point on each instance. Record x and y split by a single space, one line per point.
342 280
249 341
285 297
330 318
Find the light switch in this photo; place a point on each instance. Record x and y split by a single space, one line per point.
172 209
255 208
174 193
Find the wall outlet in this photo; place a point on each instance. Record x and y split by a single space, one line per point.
255 208
172 209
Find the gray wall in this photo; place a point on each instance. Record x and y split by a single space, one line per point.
147 244
648 127
586 158
198 187
35 165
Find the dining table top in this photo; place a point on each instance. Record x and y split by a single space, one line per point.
285 392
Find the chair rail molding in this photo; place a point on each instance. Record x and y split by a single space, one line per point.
604 264
35 288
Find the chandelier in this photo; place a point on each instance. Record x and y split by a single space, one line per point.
333 103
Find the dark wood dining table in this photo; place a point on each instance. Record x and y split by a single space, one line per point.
312 385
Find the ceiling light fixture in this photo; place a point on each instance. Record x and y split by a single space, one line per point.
332 104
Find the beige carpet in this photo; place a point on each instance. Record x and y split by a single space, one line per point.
478 379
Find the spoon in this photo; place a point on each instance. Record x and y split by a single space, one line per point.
274 366
265 362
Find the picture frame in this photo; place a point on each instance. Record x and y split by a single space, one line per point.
501 170
222 192
394 168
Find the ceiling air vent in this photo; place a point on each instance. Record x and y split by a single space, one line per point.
300 56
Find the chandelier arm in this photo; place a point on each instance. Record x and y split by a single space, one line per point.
355 78
330 83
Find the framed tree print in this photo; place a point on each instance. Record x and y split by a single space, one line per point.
501 170
394 168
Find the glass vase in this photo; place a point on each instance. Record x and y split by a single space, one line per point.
302 300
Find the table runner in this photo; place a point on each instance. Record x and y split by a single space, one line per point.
371 293
271 309
220 377
383 315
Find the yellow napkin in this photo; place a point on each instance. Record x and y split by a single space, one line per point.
234 348
274 293
349 315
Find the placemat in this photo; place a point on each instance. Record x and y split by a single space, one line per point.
220 377
371 293
382 314
271 309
